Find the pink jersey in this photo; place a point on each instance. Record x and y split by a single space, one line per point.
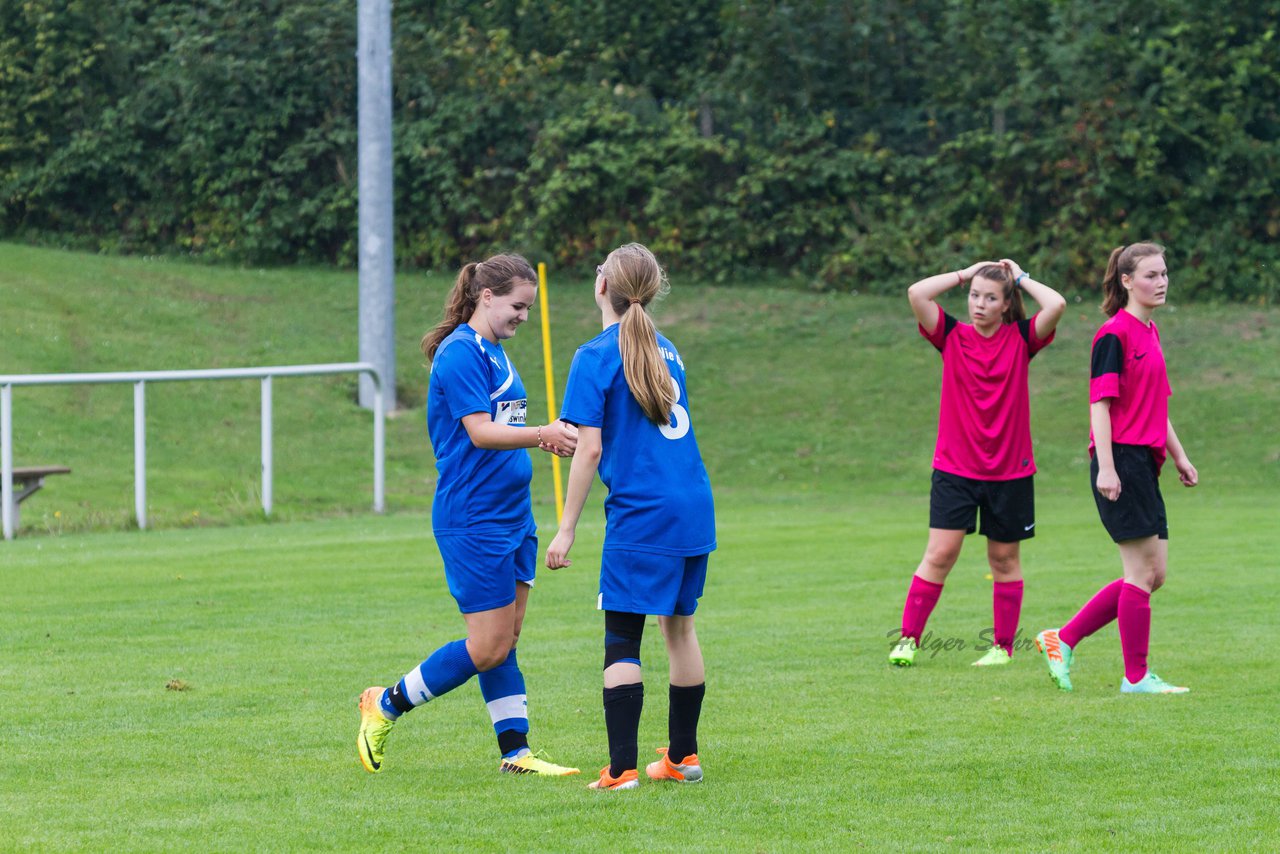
984 417
1128 367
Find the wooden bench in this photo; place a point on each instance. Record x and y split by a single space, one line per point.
28 480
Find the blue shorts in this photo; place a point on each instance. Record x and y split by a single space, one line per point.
646 583
483 569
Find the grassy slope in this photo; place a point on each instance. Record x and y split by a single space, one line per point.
815 414
796 393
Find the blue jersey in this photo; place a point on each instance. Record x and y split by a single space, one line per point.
477 490
659 495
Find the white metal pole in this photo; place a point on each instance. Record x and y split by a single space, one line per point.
140 454
267 478
375 203
379 448
6 458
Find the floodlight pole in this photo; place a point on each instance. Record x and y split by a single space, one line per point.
377 241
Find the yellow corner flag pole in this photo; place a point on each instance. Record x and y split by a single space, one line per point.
551 383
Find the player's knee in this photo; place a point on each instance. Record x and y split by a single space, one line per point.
622 634
676 629
1004 567
1149 576
941 558
491 652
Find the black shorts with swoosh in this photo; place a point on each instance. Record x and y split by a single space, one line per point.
1139 511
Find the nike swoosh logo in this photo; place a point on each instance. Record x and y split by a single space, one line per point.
1139 356
1029 527
368 752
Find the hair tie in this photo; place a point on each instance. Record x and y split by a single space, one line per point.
635 302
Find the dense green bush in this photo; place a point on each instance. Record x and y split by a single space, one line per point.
852 144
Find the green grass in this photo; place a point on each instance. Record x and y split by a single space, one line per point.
810 740
816 416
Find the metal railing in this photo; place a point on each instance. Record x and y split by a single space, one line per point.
140 380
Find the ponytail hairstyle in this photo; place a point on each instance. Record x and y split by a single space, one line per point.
634 280
499 274
1123 261
1014 310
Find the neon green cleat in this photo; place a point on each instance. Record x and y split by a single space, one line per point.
995 657
903 653
1057 655
371 742
530 763
1150 684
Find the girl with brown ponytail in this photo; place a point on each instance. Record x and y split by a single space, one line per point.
482 516
627 395
1130 437
983 462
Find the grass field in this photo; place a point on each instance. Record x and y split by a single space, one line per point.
194 686
810 740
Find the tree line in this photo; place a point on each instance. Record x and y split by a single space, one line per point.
856 144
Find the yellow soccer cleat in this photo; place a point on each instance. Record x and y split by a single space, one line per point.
371 742
529 763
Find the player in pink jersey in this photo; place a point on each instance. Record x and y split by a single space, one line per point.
1131 437
982 461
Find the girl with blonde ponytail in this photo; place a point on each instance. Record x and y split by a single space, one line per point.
482 516
627 396
639 280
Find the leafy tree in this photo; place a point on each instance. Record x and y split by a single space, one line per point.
852 143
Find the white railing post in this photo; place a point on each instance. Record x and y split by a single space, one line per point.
267 480
6 459
140 454
139 379
379 446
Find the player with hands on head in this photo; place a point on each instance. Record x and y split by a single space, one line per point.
1130 437
982 461
627 395
482 515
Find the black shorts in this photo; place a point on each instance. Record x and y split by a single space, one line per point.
1008 506
1139 511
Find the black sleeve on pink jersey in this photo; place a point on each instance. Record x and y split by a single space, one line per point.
938 336
1108 356
1026 328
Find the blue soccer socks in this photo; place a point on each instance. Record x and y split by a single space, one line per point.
446 669
504 695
